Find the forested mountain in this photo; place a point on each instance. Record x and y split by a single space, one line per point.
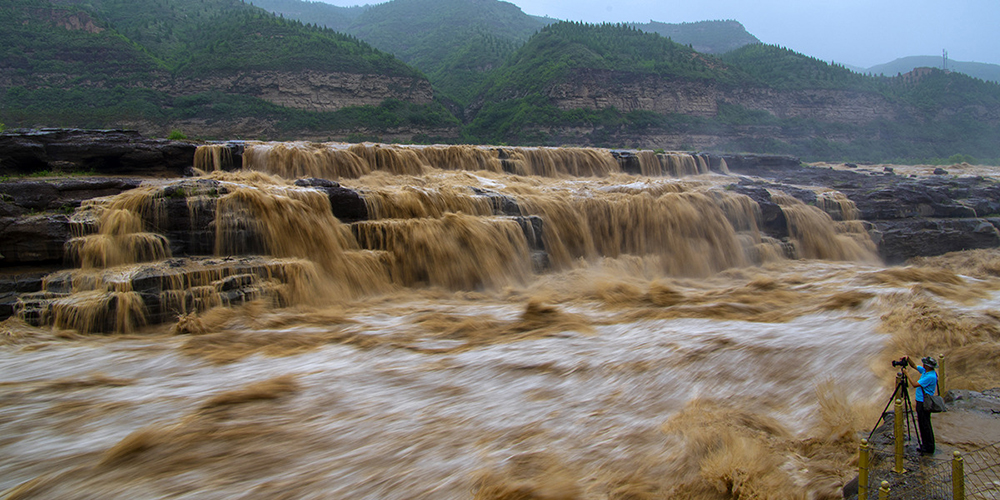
228 69
455 42
613 85
314 12
523 93
709 37
984 71
51 44
785 69
144 63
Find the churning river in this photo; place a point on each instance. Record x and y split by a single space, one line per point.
655 344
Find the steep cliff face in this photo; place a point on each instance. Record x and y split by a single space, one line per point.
839 106
306 90
598 89
311 90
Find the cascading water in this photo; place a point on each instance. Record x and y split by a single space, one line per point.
458 322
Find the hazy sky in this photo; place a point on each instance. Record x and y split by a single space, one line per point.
855 32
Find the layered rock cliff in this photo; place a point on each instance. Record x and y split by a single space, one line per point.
599 89
306 90
310 90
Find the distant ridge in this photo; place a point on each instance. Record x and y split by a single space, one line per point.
454 42
318 13
707 37
984 71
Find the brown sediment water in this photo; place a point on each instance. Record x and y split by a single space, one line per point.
817 237
668 349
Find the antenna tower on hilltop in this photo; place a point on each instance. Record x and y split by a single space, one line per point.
944 55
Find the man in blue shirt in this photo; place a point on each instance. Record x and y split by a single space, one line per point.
926 384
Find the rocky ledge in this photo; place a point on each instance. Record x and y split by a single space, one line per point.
907 216
101 152
913 216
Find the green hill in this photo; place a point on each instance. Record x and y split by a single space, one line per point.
781 68
984 71
228 69
615 86
155 64
559 48
255 40
455 42
61 43
233 35
709 37
517 94
314 12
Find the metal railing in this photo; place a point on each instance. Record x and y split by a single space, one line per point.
972 475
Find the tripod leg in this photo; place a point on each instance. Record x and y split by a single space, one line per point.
881 418
911 417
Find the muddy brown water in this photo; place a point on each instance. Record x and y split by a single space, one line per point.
669 351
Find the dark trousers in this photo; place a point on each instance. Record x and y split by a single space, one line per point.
924 425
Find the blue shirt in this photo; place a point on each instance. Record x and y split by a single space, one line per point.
927 383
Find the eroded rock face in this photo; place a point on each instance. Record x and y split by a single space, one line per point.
102 152
34 216
599 89
922 216
906 238
595 89
311 90
33 239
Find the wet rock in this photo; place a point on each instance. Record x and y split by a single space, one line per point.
628 161
987 401
315 182
773 220
940 171
916 216
347 205
502 204
58 195
753 164
533 231
235 282
33 239
30 195
906 238
167 289
8 304
107 152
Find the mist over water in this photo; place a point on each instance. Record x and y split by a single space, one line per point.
668 349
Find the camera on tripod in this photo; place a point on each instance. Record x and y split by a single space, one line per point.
902 392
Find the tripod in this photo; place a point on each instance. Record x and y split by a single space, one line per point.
903 391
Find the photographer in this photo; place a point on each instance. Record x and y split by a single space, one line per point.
926 384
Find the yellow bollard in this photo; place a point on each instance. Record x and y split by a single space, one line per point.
958 477
883 492
940 370
863 471
898 431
